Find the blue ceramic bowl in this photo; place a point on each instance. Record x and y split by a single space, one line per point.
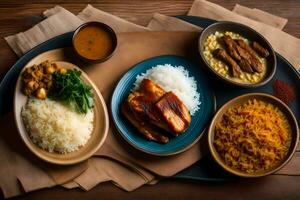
199 120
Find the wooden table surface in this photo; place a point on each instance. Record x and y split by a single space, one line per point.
16 16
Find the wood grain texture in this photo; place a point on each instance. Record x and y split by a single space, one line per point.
16 16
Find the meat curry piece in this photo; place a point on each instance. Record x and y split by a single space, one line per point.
235 70
231 47
253 60
149 131
260 50
245 65
244 52
37 79
245 46
249 54
174 112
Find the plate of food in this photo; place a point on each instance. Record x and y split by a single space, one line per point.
60 114
237 54
162 105
253 135
285 78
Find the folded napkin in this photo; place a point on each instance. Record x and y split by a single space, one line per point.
126 173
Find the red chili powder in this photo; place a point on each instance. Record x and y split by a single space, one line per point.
283 91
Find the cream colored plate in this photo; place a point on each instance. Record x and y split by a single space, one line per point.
101 122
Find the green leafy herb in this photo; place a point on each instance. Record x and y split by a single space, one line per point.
70 89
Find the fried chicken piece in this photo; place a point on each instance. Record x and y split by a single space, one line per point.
142 102
174 112
149 87
150 132
260 50
234 67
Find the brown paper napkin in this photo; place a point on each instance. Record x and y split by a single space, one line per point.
119 25
60 19
21 171
260 16
161 22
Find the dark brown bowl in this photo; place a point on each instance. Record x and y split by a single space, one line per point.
251 35
239 101
105 27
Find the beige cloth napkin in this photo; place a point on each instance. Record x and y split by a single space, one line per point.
60 20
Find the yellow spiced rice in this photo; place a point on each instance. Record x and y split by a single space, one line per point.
251 137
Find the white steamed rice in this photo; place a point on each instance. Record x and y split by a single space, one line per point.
55 127
175 79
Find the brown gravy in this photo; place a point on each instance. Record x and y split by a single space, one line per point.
93 42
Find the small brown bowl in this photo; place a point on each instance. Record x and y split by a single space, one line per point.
239 101
247 33
104 27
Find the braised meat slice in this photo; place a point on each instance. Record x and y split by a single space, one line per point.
245 65
245 46
235 70
149 131
174 112
260 50
249 54
243 51
142 102
231 47
253 60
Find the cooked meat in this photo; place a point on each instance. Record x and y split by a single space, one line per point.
231 47
149 87
149 131
222 55
253 60
142 102
174 112
245 65
245 46
260 50
150 108
143 108
243 51
249 54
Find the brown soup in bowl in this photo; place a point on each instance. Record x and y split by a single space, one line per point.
94 41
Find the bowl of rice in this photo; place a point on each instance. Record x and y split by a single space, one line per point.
253 135
53 130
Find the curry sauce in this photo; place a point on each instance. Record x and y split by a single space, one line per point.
93 42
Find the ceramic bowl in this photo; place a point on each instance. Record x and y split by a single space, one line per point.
98 135
248 33
106 28
239 101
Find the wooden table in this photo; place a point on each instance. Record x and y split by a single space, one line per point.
16 16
